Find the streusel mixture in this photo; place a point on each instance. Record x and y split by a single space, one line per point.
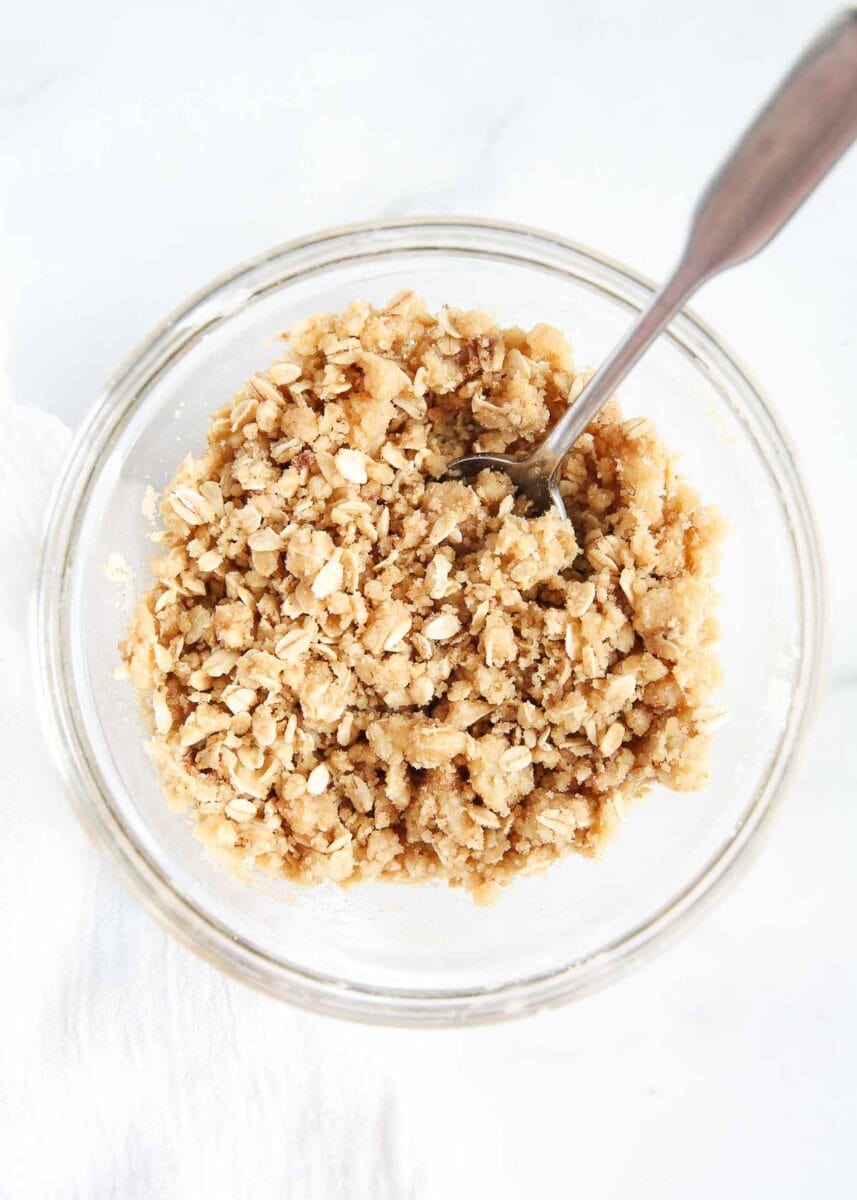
353 671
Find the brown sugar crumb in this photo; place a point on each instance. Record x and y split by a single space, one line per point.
352 671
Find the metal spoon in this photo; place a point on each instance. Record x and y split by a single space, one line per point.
807 124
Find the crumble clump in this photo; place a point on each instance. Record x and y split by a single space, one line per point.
352 671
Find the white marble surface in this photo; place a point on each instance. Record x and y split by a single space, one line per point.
145 148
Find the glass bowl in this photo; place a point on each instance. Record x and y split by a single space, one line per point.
429 955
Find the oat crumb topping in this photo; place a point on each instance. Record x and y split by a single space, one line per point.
352 671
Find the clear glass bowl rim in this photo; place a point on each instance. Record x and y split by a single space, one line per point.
66 734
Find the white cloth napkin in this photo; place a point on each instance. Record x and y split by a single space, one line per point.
128 1068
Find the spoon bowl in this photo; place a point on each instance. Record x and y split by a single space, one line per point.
530 480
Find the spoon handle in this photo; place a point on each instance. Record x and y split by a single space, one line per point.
807 124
